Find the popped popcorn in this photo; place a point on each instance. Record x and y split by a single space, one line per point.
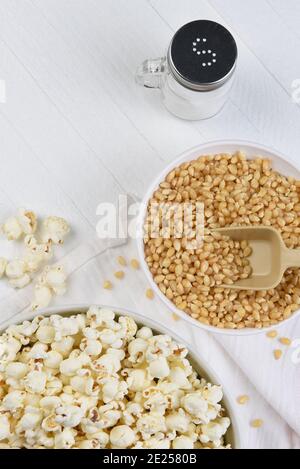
96 381
55 230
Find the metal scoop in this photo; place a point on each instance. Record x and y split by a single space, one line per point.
269 259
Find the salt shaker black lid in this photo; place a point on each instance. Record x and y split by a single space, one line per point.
202 55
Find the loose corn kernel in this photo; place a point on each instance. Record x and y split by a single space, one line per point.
272 334
277 354
122 261
135 264
107 285
119 275
285 341
243 399
256 423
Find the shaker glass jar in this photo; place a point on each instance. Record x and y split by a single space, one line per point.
196 75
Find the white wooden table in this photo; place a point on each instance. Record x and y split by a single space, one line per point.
75 130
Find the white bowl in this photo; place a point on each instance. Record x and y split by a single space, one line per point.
279 162
204 370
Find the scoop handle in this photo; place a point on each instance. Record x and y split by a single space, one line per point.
291 258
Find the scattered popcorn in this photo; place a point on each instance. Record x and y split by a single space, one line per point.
96 381
25 222
3 265
55 230
107 285
285 341
122 436
277 354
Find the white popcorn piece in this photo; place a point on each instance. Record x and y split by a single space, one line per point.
122 436
113 389
14 401
63 346
137 348
55 229
25 222
195 405
213 431
54 277
150 424
29 421
45 334
213 394
35 254
20 282
3 265
144 333
12 229
35 381
91 347
42 297
178 377
28 221
38 351
53 359
137 380
178 421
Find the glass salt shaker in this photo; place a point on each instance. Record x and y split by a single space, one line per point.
196 75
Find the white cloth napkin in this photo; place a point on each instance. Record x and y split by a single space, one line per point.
244 365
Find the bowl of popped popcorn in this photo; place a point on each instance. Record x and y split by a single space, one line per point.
236 183
100 377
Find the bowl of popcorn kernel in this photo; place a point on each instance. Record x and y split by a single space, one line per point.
100 377
229 183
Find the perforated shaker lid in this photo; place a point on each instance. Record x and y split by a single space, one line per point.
202 55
